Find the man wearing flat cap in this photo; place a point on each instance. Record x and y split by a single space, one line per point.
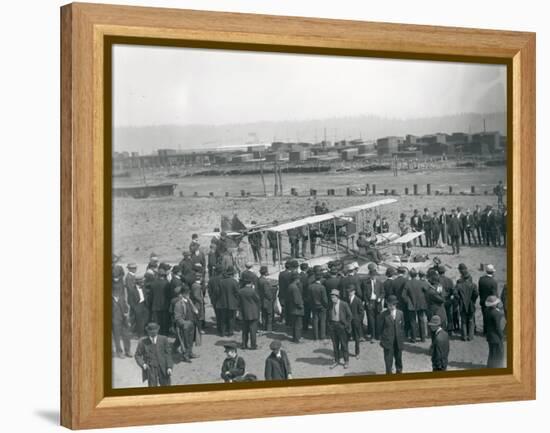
249 302
153 355
487 287
339 325
392 335
277 365
440 344
233 366
496 324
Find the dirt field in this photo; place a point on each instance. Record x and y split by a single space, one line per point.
165 227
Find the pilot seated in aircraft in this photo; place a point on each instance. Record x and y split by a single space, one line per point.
373 254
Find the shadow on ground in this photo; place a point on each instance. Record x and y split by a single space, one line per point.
52 416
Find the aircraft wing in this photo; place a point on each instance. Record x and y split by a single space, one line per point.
407 238
340 213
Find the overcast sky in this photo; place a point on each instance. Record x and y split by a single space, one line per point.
182 86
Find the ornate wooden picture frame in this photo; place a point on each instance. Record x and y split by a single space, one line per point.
87 34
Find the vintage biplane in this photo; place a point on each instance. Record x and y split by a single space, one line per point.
336 234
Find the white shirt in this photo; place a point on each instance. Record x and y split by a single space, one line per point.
393 313
153 339
373 294
141 296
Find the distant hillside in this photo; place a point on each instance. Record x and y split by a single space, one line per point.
149 138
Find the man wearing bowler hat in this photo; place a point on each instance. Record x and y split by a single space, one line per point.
392 324
267 296
339 325
496 323
233 365
249 302
153 355
467 294
277 365
440 344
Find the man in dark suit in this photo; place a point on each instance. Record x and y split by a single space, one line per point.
461 216
416 225
444 218
153 355
487 286
120 325
273 240
415 299
295 306
233 366
454 230
492 228
468 224
318 304
255 241
435 299
392 328
477 225
214 293
138 306
351 278
391 274
373 295
339 325
277 365
160 301
357 313
250 312
453 320
228 301
467 294
305 273
284 282
332 281
427 227
495 332
440 344
185 319
248 276
267 296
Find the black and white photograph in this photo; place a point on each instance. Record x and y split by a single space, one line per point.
290 216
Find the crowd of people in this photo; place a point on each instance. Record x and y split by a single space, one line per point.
333 302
